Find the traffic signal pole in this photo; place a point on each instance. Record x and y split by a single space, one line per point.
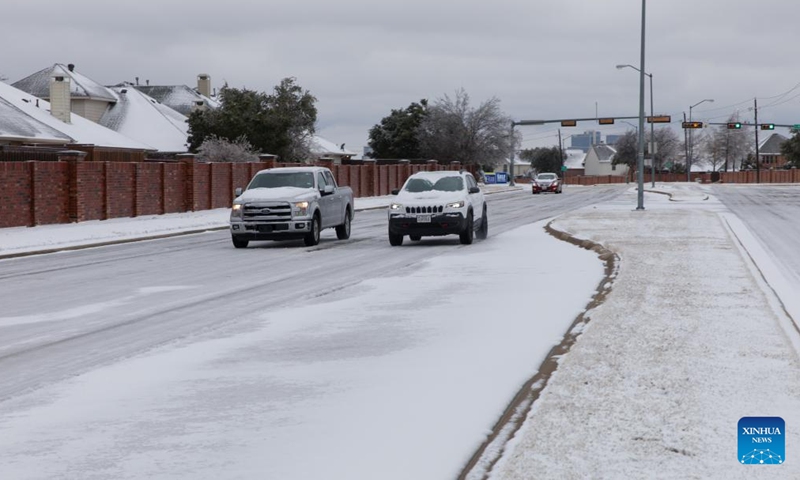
758 162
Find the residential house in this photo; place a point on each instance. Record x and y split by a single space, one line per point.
182 98
769 151
600 161
323 148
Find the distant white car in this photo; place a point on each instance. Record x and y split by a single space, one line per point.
546 182
438 203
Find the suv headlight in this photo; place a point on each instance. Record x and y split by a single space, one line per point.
236 210
301 209
459 204
395 206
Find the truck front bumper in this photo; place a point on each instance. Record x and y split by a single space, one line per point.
271 231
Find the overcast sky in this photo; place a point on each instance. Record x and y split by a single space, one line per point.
362 58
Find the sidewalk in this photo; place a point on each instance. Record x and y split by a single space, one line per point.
689 340
20 241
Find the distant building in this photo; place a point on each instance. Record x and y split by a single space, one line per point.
612 139
583 141
769 151
600 161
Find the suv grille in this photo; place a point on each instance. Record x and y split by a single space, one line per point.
426 209
267 211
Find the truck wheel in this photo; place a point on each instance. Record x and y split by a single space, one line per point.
239 243
395 240
483 232
312 237
415 238
468 234
343 230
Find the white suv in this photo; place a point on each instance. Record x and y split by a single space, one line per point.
438 203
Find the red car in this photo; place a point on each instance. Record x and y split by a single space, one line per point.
546 182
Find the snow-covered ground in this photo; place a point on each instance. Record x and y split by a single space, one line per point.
691 339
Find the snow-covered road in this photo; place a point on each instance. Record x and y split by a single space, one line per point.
186 358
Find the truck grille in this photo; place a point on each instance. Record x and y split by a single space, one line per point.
267 211
426 209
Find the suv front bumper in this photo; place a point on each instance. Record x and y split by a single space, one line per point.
440 224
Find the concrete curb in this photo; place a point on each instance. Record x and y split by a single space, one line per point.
670 195
515 414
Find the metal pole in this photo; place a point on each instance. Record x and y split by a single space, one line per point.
640 159
561 154
691 145
758 160
511 142
686 150
652 137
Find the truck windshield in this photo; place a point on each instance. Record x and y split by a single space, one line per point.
283 179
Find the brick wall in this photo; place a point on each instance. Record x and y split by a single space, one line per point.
50 192
15 194
174 187
220 178
148 189
120 190
90 195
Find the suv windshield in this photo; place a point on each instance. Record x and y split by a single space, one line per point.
546 176
284 179
444 184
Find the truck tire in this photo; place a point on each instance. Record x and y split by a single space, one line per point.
343 230
468 234
239 243
483 232
312 238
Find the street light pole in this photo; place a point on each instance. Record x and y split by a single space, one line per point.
691 139
652 126
640 159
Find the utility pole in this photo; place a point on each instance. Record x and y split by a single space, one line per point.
640 157
511 159
686 148
755 127
561 154
652 137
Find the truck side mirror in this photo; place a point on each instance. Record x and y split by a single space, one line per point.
327 190
238 191
395 191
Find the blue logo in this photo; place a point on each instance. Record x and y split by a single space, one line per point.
762 440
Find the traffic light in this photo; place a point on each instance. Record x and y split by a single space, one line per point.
605 121
659 119
692 124
767 126
735 125
568 123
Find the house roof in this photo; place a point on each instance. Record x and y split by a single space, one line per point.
17 126
575 158
142 118
30 114
772 144
322 147
38 84
180 98
604 152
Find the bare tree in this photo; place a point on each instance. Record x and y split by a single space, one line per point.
216 149
668 145
725 147
454 131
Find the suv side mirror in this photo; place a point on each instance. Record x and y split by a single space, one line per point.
238 191
474 190
395 191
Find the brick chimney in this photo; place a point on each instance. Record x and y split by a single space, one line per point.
60 100
204 84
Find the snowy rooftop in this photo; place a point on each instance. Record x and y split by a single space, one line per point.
321 146
180 98
35 118
38 84
140 117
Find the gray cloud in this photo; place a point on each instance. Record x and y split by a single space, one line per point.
542 59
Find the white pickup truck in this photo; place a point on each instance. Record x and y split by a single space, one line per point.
291 203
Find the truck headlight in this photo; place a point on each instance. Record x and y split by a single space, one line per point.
236 210
395 206
301 209
456 204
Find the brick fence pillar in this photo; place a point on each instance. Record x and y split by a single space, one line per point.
432 165
268 159
187 161
75 205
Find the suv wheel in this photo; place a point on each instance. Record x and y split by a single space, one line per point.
468 234
483 232
395 239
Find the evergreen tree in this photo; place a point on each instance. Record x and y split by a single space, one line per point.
396 135
791 149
